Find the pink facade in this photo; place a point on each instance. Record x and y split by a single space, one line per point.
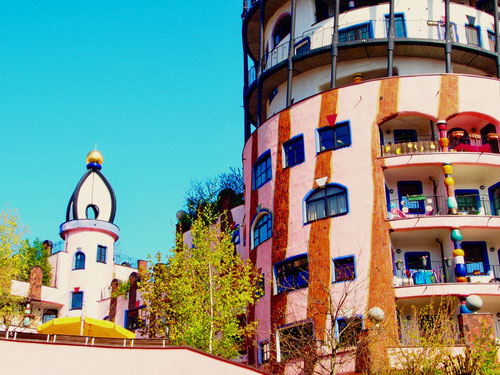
382 192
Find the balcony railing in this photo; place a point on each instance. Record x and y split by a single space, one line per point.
351 32
476 143
126 261
477 272
423 145
421 205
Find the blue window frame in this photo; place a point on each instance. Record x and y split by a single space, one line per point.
442 31
101 253
48 315
473 34
344 269
347 330
262 171
405 135
494 193
263 229
334 137
327 202
399 23
79 261
236 235
476 257
357 32
76 301
492 41
302 46
273 94
264 351
292 274
294 151
468 201
409 193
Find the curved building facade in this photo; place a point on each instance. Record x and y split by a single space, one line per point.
371 162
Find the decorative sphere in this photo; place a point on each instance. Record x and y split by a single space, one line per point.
376 314
456 235
181 214
473 302
448 169
449 181
94 157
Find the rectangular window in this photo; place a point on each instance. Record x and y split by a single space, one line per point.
236 235
344 269
472 34
476 257
261 285
76 300
295 341
294 151
262 171
101 253
292 274
358 32
48 315
411 199
405 135
324 9
468 201
442 31
333 137
348 330
399 23
264 352
491 41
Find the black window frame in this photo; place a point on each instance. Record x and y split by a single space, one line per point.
76 297
261 221
293 151
281 29
325 195
292 274
262 170
345 338
330 139
301 339
357 32
79 262
102 252
344 268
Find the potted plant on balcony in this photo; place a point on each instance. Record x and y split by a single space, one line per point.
399 265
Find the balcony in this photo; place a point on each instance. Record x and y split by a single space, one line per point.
422 206
422 145
442 273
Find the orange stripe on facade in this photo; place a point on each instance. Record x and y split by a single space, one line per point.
319 237
254 202
281 213
448 97
380 284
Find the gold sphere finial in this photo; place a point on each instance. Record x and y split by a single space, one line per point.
94 156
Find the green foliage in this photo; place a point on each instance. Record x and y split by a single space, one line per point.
122 289
33 255
201 193
11 245
197 294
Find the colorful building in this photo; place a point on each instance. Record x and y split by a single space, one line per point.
371 162
85 268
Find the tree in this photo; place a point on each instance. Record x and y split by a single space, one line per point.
333 336
36 254
207 192
11 245
198 294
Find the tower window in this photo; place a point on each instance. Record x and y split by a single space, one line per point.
92 212
472 34
399 24
492 41
442 31
333 137
292 274
294 151
76 300
327 202
101 253
79 261
358 32
282 29
263 229
345 269
262 171
324 9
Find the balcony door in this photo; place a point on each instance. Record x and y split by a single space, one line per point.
476 257
411 197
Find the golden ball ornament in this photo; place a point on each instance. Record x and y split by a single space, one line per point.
94 157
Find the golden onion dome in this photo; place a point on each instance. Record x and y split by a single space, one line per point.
94 157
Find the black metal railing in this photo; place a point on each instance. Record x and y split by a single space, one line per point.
126 261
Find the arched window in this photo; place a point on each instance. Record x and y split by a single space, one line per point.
282 29
263 229
79 261
326 202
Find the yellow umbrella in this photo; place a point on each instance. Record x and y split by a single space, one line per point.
85 326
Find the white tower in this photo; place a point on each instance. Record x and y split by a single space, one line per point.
89 235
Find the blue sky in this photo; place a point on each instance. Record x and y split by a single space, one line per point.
156 84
